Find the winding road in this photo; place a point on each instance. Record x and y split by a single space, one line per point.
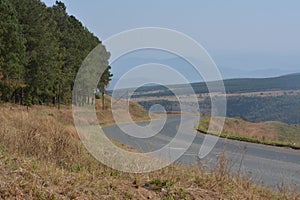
268 165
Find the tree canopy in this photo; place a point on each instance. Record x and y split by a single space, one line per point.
41 50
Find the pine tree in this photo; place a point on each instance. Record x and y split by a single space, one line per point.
12 53
41 50
103 83
43 53
76 42
1 76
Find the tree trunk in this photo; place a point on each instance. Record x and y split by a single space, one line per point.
54 100
102 98
58 98
22 96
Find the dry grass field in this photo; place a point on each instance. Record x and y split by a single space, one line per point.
42 158
271 132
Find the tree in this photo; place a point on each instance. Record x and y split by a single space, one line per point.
1 76
12 53
103 83
42 48
76 42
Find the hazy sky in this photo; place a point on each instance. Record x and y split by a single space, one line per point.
247 36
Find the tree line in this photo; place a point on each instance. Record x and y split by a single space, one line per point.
284 108
41 50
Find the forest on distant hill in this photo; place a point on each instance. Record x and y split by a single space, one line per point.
232 86
284 108
264 99
41 50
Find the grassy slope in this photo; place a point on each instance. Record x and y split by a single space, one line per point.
41 158
271 133
106 117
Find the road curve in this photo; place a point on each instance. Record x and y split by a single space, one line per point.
271 166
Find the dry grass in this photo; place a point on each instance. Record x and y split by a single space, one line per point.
244 128
105 117
270 132
40 158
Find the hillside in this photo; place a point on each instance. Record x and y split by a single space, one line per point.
105 117
41 158
255 100
271 132
242 85
282 107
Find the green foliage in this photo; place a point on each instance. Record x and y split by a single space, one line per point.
97 96
77 168
12 52
2 149
283 108
41 50
105 79
158 185
76 42
103 83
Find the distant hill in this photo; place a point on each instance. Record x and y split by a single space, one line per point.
242 85
284 108
287 82
248 98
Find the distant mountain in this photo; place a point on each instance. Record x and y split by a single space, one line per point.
242 85
231 72
124 64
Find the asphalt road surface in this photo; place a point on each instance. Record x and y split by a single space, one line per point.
270 166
